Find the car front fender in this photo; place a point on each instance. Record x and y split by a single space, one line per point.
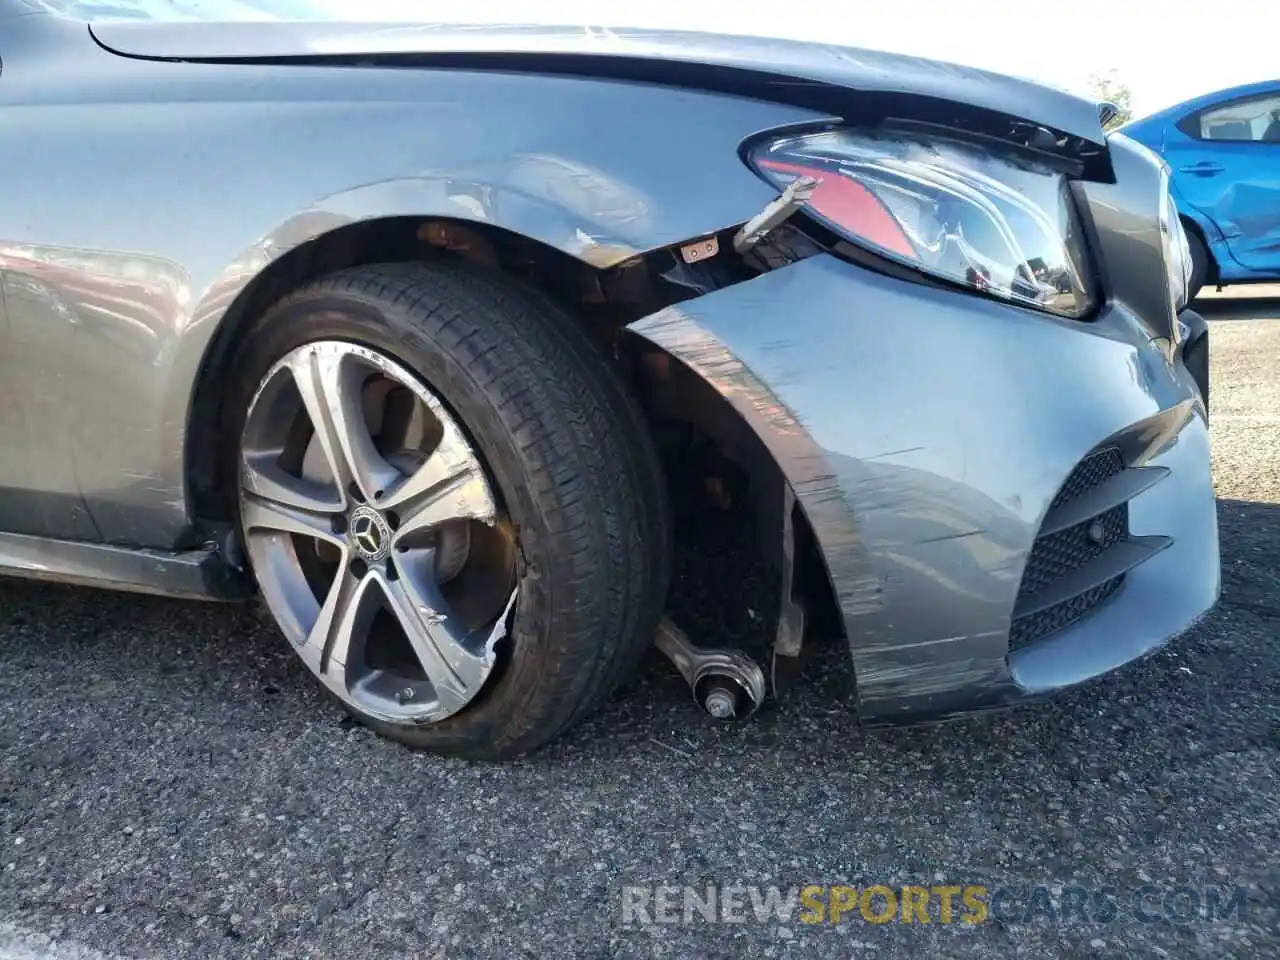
231 167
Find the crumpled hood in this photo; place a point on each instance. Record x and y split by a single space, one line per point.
851 68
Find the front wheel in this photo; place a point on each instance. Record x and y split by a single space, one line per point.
450 503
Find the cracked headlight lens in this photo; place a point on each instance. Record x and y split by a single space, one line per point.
994 221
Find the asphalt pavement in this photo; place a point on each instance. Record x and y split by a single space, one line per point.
173 785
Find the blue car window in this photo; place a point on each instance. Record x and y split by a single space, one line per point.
1256 120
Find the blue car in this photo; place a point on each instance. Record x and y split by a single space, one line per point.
1224 151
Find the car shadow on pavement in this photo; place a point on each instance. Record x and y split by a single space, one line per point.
1238 308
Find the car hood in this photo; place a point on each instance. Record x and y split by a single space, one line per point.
642 52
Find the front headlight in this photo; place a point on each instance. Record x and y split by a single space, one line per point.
1177 252
997 223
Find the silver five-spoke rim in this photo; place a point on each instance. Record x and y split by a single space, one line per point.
374 533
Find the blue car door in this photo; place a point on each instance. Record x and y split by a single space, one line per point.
1226 163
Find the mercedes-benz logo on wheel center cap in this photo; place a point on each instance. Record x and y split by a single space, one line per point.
370 534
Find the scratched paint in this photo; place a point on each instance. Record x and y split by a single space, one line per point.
924 453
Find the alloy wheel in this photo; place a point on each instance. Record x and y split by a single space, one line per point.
374 533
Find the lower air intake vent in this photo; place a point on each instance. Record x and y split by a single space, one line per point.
1084 547
1033 626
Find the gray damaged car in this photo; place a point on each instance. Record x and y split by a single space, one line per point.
439 339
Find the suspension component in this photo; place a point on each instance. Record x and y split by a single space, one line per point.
728 684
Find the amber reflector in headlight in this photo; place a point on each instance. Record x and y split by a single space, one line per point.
996 222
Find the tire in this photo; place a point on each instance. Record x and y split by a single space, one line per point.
572 468
1195 353
1199 263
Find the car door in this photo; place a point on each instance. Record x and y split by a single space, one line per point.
1226 163
39 491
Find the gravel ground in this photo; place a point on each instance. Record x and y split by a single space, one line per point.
171 784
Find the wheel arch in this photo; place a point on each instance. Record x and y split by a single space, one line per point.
571 212
317 243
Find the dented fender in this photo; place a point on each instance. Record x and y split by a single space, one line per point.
293 153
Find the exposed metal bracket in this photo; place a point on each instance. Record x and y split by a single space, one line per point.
700 250
777 212
728 684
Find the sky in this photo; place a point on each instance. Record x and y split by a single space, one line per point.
1166 52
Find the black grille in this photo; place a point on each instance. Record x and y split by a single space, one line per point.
1089 472
1058 554
1036 625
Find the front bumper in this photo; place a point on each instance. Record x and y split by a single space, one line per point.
926 433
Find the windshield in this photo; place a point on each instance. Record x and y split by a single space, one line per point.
235 10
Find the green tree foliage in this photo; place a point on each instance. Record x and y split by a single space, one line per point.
1109 88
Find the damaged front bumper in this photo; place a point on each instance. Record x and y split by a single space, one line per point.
928 434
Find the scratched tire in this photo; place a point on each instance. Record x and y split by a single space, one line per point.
566 453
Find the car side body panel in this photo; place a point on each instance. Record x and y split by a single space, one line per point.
207 185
